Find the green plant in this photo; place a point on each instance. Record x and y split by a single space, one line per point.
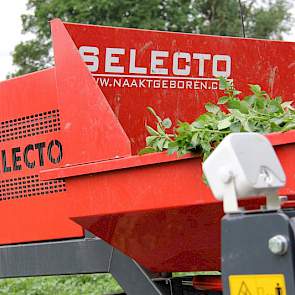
257 112
94 284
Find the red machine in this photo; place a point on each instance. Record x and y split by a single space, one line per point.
70 136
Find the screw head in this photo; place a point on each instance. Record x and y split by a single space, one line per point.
278 245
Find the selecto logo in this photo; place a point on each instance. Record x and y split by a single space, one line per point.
32 155
119 67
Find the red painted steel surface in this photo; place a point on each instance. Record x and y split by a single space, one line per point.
90 129
61 104
183 233
112 165
267 63
154 213
154 208
30 210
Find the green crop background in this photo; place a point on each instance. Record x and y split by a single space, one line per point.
96 284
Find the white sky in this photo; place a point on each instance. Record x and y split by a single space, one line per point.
10 32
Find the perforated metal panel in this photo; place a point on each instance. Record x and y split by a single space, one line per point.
16 130
29 186
30 125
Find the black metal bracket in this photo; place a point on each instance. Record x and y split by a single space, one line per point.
85 256
78 256
246 249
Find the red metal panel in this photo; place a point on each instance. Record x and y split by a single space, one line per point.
155 208
49 119
175 239
267 63
167 219
166 224
29 116
89 126
112 165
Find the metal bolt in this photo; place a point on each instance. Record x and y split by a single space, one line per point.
278 245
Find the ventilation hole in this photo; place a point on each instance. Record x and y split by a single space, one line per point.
29 186
30 125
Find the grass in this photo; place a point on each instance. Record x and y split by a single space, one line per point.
96 284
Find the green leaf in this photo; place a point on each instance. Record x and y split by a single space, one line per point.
234 104
250 100
146 150
255 113
172 144
256 89
288 127
236 126
223 83
205 146
160 129
195 140
160 143
172 147
274 127
248 127
183 151
152 111
237 114
212 108
167 123
277 120
275 106
225 123
183 127
260 104
202 121
236 92
171 151
223 100
197 124
278 99
166 144
151 131
150 139
244 107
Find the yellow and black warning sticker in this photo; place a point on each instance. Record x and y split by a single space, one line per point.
257 284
